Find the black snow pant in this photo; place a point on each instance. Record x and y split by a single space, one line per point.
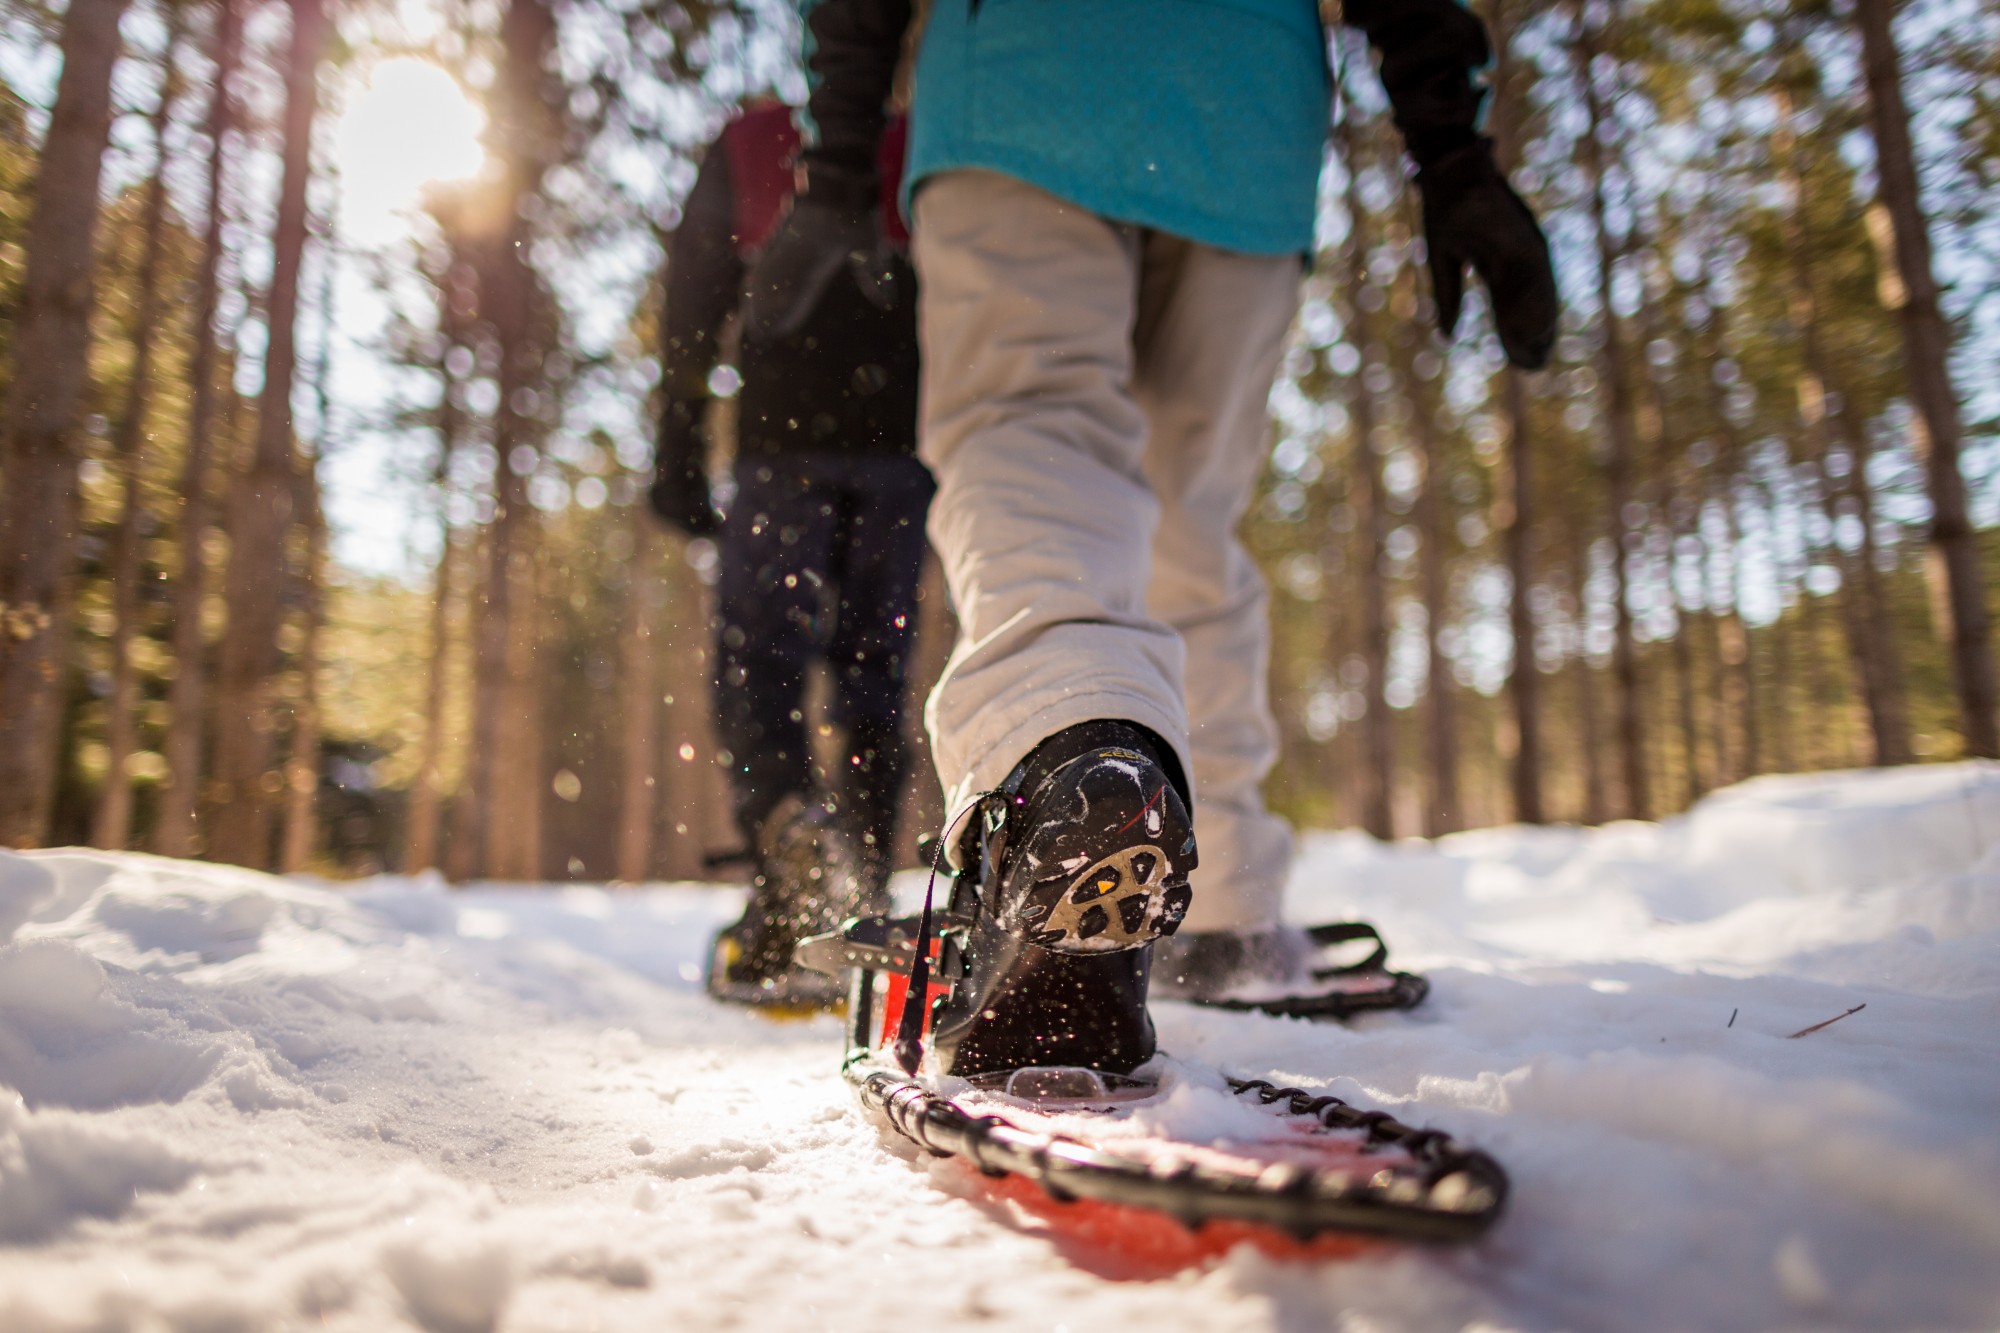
821 553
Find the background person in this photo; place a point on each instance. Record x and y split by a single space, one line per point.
822 546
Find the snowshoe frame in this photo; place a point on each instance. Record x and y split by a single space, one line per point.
1439 1190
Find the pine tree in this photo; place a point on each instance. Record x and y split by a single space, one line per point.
262 502
1927 350
113 825
175 835
40 453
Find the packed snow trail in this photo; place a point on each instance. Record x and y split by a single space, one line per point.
246 1102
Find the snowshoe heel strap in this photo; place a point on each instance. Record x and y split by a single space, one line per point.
1346 932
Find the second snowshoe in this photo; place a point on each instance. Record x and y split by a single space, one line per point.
1286 971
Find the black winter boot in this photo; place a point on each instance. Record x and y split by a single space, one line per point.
806 882
1071 872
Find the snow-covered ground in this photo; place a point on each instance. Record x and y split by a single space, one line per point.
248 1103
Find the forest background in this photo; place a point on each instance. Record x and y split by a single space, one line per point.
326 349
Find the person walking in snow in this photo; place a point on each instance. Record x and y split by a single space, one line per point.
1111 202
822 545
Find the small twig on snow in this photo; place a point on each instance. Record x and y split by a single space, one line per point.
1807 1032
1732 1019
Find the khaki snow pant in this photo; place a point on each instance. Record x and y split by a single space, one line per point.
1093 409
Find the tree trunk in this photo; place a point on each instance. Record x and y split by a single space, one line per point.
1511 81
1722 701
1675 687
38 512
1524 681
261 502
639 708
426 793
1694 779
1340 755
302 771
1588 729
1738 647
1879 641
1821 749
1743 658
1877 672
511 785
1735 654
113 825
1378 727
1368 498
1621 440
1878 694
175 834
465 847
511 781
490 697
690 763
1442 813
1784 751
1927 350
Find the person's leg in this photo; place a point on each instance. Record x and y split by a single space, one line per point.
878 555
1044 518
1209 332
1059 723
774 549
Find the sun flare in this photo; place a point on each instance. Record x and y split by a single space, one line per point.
409 125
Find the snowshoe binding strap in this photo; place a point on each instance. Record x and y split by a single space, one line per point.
910 1031
1332 992
1346 932
1346 996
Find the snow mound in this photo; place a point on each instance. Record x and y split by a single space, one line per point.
1800 870
56 1169
67 1040
234 1101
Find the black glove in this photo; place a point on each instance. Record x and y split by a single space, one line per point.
831 224
1472 216
679 493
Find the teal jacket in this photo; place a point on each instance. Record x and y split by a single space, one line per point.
1203 118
